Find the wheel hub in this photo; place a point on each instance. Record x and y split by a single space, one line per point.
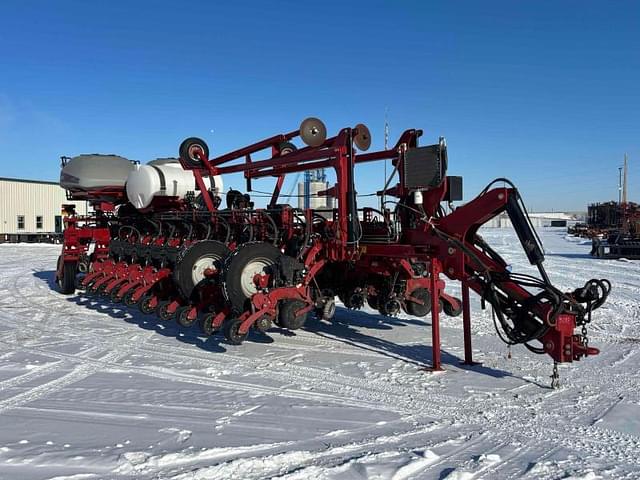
247 277
202 267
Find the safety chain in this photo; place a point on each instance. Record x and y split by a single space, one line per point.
585 339
555 378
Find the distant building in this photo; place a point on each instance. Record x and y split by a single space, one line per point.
315 181
540 219
30 210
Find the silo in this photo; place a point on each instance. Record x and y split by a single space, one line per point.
310 198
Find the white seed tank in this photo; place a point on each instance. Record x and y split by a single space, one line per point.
164 178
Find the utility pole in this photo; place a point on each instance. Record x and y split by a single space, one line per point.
619 185
624 182
386 146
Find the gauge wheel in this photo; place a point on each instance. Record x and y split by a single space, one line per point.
416 309
231 332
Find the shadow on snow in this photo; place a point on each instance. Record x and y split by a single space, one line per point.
348 326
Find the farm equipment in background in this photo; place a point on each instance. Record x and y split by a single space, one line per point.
163 238
614 229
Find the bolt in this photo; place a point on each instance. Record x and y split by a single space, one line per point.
451 270
451 250
500 196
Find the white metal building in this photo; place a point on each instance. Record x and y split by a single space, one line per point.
30 210
540 219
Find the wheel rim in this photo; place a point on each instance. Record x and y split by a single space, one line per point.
201 265
250 270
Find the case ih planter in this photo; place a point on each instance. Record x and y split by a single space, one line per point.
163 238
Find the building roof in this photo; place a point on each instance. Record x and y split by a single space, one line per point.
24 180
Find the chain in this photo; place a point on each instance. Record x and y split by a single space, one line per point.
555 378
585 339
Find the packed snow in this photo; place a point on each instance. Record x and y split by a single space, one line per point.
92 390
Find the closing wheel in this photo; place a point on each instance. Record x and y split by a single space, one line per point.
450 310
232 333
206 324
195 261
147 304
287 315
127 299
240 270
186 316
416 309
67 282
162 311
263 324
372 301
115 298
191 148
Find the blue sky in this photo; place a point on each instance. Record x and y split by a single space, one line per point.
545 93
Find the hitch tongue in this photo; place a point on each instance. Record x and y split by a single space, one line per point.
581 349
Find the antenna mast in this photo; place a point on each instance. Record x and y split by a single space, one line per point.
624 182
386 147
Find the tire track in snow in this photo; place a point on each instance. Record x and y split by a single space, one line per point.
87 368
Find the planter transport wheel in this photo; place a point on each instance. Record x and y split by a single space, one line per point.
241 268
67 282
194 261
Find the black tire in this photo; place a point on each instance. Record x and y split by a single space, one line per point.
115 298
127 299
263 324
286 147
231 333
416 309
101 288
145 303
372 301
287 314
188 273
206 324
161 311
450 310
67 283
187 148
235 272
182 316
354 298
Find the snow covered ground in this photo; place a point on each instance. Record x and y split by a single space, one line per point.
89 390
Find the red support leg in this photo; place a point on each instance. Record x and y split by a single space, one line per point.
435 314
